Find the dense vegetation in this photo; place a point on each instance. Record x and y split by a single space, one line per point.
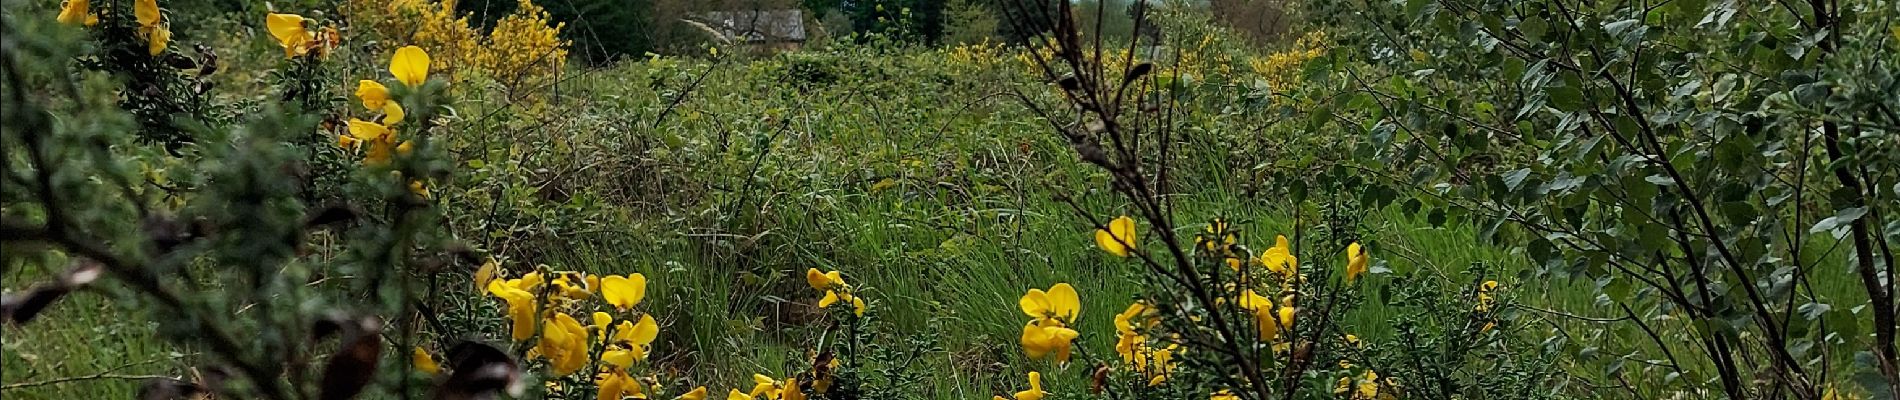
1426 199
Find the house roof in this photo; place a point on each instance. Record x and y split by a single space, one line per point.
758 25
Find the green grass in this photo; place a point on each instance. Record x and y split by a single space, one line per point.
88 336
971 222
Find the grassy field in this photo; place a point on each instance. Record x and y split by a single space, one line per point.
930 178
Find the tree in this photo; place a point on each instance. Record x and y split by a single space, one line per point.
970 22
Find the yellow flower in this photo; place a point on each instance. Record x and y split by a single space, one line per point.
1368 386
1157 364
423 362
1119 238
1059 304
1044 337
1224 394
1129 345
393 113
1267 320
418 188
410 66
373 94
832 283
571 285
630 341
1484 295
1279 258
791 390
157 38
146 11
616 384
522 306
1138 316
1218 235
1035 388
623 292
824 280
765 385
290 33
486 273
1356 261
74 12
735 394
563 343
698 393
348 142
367 131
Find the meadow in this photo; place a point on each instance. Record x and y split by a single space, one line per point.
1463 210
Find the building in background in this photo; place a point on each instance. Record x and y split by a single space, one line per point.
762 30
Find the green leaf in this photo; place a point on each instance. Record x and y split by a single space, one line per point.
1514 179
1837 224
1566 98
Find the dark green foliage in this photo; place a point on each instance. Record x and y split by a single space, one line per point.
1693 164
601 30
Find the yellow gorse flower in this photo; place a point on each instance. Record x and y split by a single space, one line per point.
1357 262
630 341
1217 236
77 12
1047 333
382 142
410 65
486 273
146 11
1223 394
1281 70
1485 301
1130 342
698 393
1157 364
156 36
1268 319
1119 238
520 298
423 361
1035 389
765 386
623 292
373 94
836 290
564 343
615 384
1137 317
290 33
1060 304
1045 338
735 394
1280 258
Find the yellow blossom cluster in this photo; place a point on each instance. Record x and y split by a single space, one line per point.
1368 386
157 36
1033 393
542 306
1281 70
1052 312
975 56
523 48
1132 330
836 291
1486 303
410 67
293 33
